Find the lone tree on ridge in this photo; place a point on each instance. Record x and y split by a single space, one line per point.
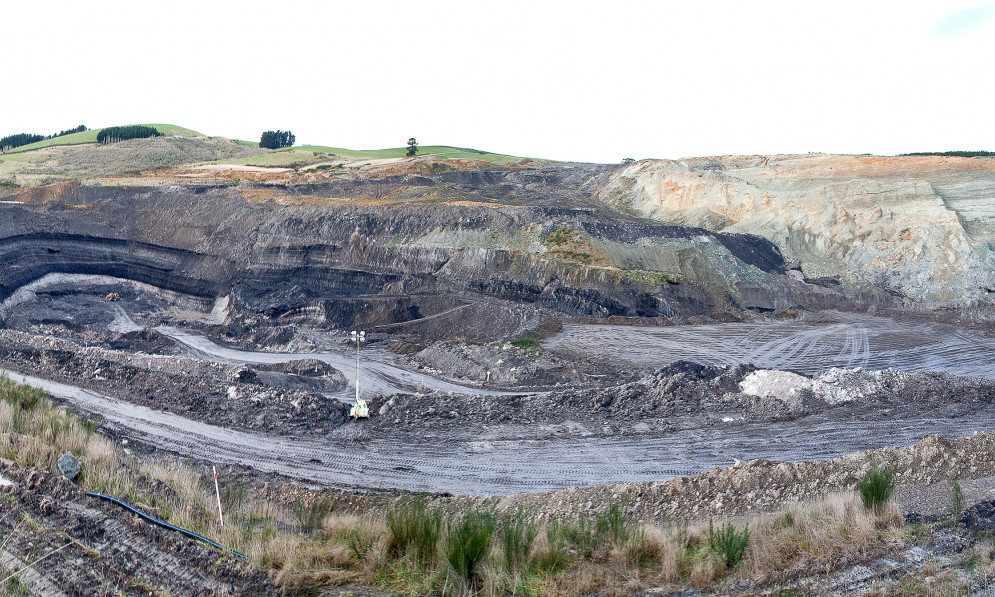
412 147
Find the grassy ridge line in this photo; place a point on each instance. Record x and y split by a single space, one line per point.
399 152
305 153
276 159
91 137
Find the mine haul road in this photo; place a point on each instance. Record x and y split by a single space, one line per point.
375 375
467 465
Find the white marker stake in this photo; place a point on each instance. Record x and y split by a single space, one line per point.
217 492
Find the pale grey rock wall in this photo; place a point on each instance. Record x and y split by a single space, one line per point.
920 225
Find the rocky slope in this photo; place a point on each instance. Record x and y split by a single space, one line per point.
334 255
920 225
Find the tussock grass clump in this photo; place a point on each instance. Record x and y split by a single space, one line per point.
518 533
468 543
414 529
34 431
876 487
555 552
729 542
956 497
581 536
310 513
612 526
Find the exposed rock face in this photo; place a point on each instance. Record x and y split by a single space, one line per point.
30 256
343 263
920 225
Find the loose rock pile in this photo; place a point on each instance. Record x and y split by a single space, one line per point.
684 395
762 486
227 395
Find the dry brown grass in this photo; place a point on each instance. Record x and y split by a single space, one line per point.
571 559
835 530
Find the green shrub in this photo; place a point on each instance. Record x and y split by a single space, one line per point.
518 532
581 537
729 542
876 487
613 525
956 496
468 543
560 236
414 529
360 541
557 549
525 343
311 513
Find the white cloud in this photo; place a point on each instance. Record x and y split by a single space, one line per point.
965 22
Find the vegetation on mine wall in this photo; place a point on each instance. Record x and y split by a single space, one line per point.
418 546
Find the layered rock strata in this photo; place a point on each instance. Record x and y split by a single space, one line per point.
343 263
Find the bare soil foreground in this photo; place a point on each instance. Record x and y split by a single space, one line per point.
84 545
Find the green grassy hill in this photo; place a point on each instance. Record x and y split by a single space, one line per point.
91 137
296 156
305 153
399 152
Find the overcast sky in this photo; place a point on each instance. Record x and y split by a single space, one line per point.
572 80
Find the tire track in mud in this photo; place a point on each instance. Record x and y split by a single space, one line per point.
864 341
375 376
468 466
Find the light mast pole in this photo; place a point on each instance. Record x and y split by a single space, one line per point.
358 338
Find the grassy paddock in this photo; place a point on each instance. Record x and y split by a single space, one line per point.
419 547
277 159
426 150
314 154
90 136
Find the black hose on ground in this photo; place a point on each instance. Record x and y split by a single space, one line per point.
166 525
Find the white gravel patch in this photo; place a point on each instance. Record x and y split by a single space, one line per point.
768 383
836 386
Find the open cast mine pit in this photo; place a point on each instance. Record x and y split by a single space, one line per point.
527 331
